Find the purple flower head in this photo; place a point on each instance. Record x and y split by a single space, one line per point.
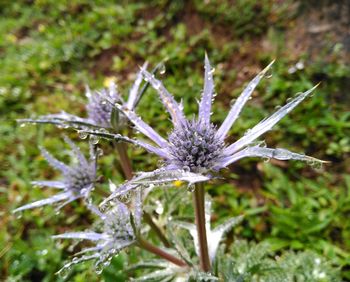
77 181
99 111
101 114
199 146
115 233
193 146
196 147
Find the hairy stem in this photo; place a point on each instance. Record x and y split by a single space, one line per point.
128 172
142 243
199 206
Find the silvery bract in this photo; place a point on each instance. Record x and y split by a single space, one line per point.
116 233
197 145
101 114
214 235
77 181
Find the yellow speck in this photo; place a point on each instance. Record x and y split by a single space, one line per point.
11 38
41 28
108 80
177 183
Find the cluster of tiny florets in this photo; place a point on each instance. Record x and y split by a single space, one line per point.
78 180
194 146
99 110
117 223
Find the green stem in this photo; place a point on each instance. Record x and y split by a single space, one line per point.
128 172
199 206
155 250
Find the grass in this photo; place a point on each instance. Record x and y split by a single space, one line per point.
49 50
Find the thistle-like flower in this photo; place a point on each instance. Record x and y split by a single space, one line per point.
101 114
117 230
77 182
197 145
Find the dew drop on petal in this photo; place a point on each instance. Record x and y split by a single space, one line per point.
162 68
93 139
266 160
99 268
232 102
186 168
63 273
191 187
82 134
268 75
99 152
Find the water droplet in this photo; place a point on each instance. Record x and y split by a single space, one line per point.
232 102
162 69
63 272
268 75
186 169
99 152
278 107
99 268
191 187
94 139
44 252
82 134
159 208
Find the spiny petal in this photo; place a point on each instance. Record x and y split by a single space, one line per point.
208 92
53 199
76 150
154 178
168 100
54 184
92 236
279 154
118 137
267 124
165 176
54 162
240 102
142 126
134 91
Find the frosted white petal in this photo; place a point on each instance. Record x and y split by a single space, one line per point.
54 162
279 154
142 126
118 137
53 199
92 236
266 124
208 91
77 152
168 100
154 178
239 104
47 183
134 91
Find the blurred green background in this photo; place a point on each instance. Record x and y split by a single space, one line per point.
49 51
